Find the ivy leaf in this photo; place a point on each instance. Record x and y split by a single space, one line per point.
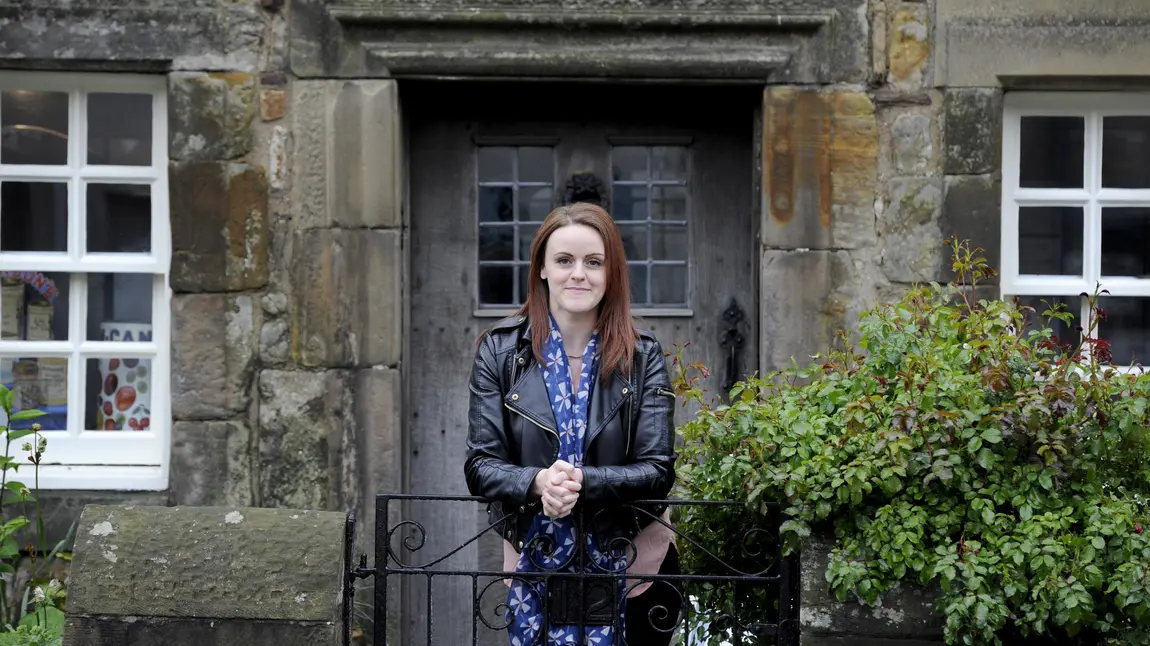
992 435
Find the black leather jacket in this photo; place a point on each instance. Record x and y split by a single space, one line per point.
630 447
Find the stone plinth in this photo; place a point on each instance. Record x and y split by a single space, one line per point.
204 576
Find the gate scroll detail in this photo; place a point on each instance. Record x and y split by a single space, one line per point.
745 596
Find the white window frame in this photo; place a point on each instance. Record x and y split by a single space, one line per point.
1092 198
89 459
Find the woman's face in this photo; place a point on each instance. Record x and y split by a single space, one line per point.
574 267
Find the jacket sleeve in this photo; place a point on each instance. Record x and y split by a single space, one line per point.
651 472
488 468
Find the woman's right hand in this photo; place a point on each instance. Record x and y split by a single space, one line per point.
558 488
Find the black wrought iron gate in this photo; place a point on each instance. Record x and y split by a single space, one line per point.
730 589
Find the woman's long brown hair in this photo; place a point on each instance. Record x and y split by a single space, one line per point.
617 332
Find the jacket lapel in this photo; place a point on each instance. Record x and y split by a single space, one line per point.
529 397
606 400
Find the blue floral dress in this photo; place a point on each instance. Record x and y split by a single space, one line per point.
556 538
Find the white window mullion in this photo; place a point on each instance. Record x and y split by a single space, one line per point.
161 226
77 331
161 371
1092 217
79 217
1008 260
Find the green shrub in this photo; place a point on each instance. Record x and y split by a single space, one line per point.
959 445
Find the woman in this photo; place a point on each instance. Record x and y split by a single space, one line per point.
570 419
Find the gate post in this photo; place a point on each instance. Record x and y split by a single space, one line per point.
789 600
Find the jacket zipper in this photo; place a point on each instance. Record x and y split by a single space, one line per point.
627 433
529 419
664 391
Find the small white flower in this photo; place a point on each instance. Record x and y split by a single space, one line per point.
38 595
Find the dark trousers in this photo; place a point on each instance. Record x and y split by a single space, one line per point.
643 625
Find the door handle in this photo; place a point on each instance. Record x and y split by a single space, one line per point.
731 339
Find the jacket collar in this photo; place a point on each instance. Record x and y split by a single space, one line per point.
528 394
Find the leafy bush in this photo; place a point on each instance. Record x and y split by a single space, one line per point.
959 445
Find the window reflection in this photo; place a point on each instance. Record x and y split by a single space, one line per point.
1126 152
120 129
1127 328
1126 242
1052 152
34 127
119 218
1050 240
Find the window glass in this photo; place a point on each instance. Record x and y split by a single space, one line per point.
650 203
516 192
1082 200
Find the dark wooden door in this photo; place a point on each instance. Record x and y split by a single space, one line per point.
487 163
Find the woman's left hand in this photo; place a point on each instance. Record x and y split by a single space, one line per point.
561 491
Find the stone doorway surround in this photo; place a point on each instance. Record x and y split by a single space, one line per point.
349 254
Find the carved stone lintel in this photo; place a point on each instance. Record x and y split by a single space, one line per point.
696 40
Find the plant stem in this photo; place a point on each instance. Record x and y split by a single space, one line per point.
39 517
3 483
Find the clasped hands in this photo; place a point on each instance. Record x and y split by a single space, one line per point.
558 488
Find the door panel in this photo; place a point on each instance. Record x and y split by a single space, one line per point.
488 161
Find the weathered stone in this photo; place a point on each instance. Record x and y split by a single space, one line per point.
275 342
272 104
879 42
274 303
347 298
310 138
807 297
278 158
907 612
913 145
816 639
820 158
714 39
971 211
985 43
274 57
169 33
910 47
379 417
912 243
367 174
361 184
219 227
213 346
973 130
61 509
211 464
854 170
210 115
117 631
209 562
306 438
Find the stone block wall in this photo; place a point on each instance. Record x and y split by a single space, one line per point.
863 184
904 617
287 256
201 576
